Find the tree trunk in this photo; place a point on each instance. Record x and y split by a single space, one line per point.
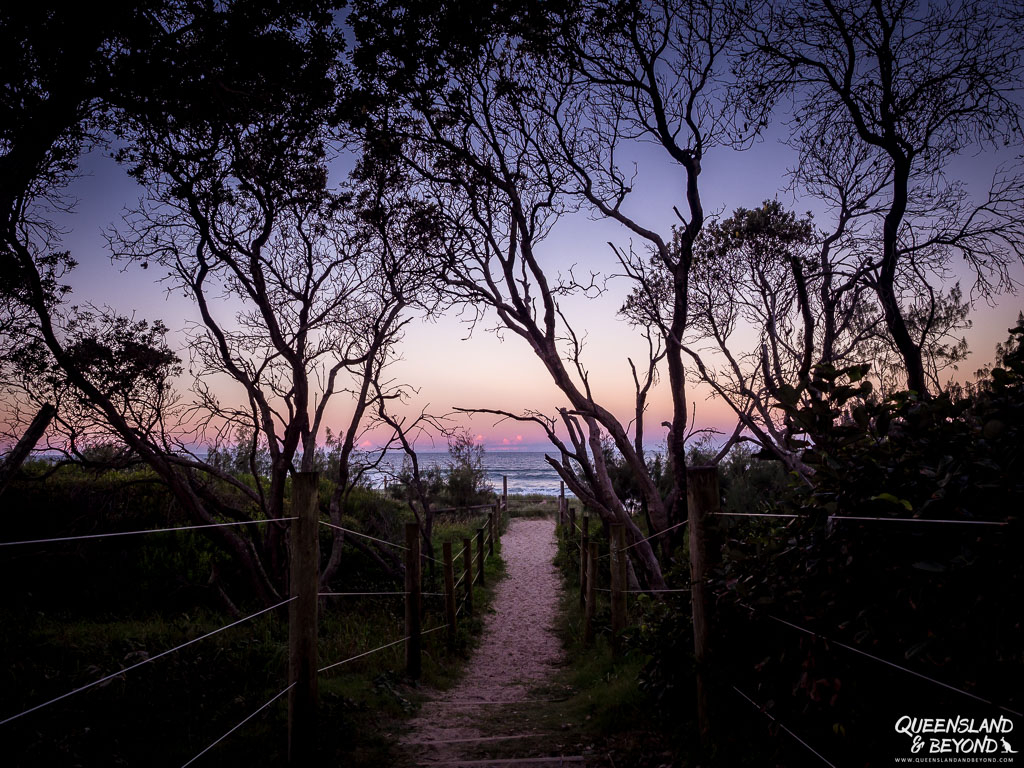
28 441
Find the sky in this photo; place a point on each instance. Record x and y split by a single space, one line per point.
448 366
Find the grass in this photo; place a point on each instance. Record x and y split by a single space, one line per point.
533 505
179 703
166 712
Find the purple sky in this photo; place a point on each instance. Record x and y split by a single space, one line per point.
482 371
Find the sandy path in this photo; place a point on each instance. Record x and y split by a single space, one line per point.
518 650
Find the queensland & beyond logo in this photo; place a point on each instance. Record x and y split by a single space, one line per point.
957 735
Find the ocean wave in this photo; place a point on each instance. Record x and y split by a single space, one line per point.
526 472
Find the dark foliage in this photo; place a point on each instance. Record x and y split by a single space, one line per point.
939 599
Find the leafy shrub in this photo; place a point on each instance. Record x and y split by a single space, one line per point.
465 478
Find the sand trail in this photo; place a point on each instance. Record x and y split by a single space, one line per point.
518 651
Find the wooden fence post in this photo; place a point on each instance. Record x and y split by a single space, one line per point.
413 643
491 530
590 606
497 521
561 503
467 572
702 499
584 554
449 592
480 554
623 570
504 495
304 576
618 585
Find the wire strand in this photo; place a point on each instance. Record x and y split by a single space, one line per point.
880 660
361 655
246 720
368 594
375 650
916 520
865 519
148 530
656 535
363 535
144 661
652 536
753 514
765 712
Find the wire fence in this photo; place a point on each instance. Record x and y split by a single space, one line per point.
865 654
308 519
858 518
379 541
587 592
376 594
378 648
113 534
148 660
764 711
234 728
648 538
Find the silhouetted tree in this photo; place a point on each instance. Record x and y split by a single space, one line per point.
905 87
245 95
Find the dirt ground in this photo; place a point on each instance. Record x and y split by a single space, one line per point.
519 652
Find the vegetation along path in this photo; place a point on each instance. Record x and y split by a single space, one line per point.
477 722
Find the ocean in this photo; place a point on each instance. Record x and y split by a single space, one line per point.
527 471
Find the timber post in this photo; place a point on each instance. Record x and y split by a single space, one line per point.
304 576
618 583
492 533
504 496
467 572
590 606
480 554
702 499
584 555
413 641
449 592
